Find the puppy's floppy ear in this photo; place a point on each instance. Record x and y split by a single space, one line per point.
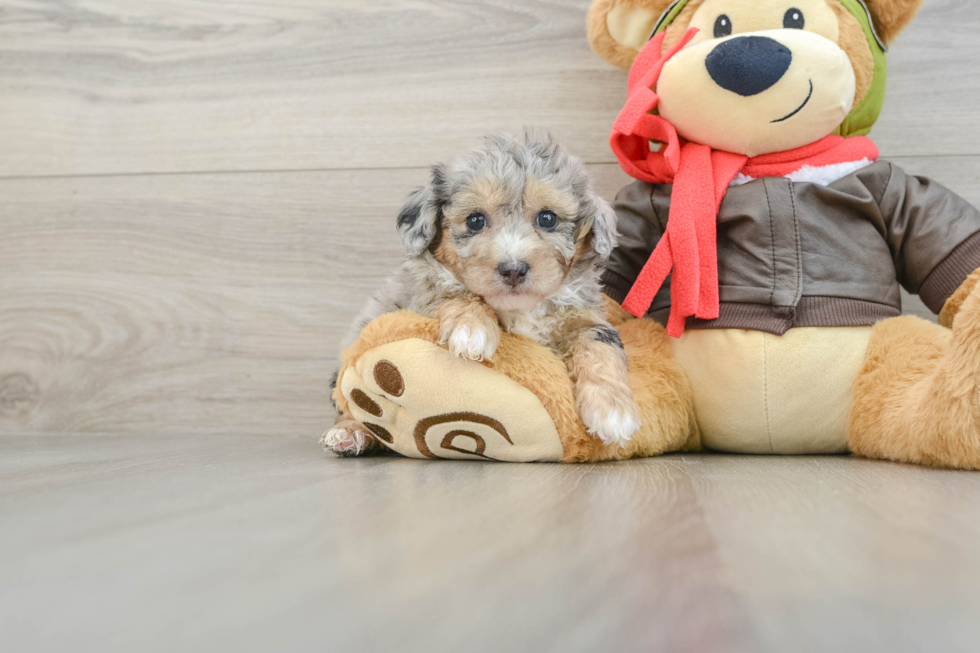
598 213
420 219
891 16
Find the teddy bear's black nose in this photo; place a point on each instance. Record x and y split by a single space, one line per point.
748 65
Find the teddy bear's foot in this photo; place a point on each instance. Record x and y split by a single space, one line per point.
917 398
422 401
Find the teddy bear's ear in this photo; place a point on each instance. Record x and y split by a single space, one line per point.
618 29
891 16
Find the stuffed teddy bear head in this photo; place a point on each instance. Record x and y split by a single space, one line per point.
759 76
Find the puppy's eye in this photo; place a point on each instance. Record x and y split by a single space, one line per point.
547 220
794 19
723 26
476 222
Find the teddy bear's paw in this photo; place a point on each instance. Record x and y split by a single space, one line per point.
611 416
347 439
419 400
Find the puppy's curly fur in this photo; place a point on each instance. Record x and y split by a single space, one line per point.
510 236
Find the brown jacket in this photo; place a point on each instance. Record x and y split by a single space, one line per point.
796 254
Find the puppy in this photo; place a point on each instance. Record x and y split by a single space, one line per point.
509 237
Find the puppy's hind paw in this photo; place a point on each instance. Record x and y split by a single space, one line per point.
347 441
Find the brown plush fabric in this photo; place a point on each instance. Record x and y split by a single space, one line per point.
602 41
659 384
955 302
852 39
677 29
855 44
890 17
615 313
917 397
662 392
949 275
387 328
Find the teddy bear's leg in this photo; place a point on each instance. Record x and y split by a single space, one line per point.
420 400
917 397
427 403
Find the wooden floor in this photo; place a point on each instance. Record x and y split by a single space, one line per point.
253 543
196 195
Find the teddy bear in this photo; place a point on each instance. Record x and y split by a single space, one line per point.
755 286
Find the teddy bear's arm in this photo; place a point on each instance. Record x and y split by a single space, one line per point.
933 234
953 305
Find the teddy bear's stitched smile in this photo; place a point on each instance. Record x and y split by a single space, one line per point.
800 108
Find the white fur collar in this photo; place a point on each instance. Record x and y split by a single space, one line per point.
823 175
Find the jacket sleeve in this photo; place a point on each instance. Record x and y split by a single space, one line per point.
933 234
640 229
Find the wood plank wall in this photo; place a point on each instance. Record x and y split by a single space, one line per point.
196 195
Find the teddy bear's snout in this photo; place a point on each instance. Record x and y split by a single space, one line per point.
748 65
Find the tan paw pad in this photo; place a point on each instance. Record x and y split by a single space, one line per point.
423 402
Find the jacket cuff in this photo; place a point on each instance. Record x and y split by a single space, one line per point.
616 287
949 275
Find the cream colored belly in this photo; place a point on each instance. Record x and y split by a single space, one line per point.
755 392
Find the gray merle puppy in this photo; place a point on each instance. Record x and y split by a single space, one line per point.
510 237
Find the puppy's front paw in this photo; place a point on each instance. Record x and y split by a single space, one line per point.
473 343
470 336
347 440
610 415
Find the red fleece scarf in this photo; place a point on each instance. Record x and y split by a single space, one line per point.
701 177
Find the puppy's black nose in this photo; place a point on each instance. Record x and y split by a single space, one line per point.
513 273
748 65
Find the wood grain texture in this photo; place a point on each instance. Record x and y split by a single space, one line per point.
189 303
111 86
212 302
205 303
175 318
252 543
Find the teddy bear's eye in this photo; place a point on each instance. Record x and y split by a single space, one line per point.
723 26
793 19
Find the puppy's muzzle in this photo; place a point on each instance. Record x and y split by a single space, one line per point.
748 65
513 273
